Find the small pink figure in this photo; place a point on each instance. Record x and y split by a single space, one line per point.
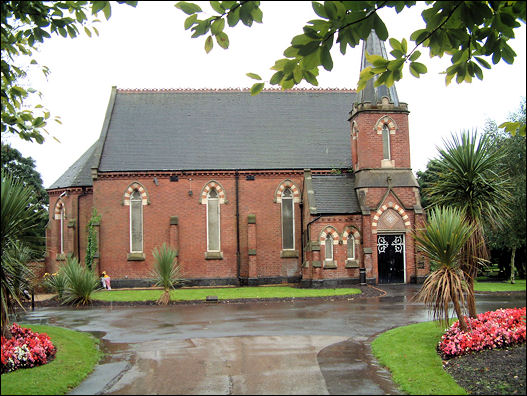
106 280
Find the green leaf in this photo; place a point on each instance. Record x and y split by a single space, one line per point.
257 15
310 78
395 64
287 84
97 6
325 59
233 17
395 44
245 14
107 10
216 6
87 31
404 46
312 60
256 88
217 26
380 27
291 52
190 21
208 44
418 67
376 60
308 48
254 76
414 56
331 9
482 62
188 8
319 10
223 40
277 77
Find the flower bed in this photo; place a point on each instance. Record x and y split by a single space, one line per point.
25 349
493 329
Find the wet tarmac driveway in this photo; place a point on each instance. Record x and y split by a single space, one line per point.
299 347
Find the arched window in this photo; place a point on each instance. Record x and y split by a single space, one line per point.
328 244
351 248
213 221
385 142
288 220
136 222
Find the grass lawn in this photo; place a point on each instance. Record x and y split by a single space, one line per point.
500 286
409 352
77 354
224 293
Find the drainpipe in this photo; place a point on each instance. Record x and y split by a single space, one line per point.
308 224
79 223
238 258
301 205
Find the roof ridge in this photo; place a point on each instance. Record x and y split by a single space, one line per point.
204 90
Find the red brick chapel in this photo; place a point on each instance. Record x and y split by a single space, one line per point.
306 186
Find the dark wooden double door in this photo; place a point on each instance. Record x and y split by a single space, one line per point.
390 258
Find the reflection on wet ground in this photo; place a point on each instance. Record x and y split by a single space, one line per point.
294 347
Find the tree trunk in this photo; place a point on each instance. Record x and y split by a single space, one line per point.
471 299
513 256
457 308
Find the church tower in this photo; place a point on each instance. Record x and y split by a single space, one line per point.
385 185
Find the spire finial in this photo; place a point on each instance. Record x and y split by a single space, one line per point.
374 46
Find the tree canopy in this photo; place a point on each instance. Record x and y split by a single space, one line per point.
24 26
473 34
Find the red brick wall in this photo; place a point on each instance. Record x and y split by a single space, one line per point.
78 206
172 199
369 142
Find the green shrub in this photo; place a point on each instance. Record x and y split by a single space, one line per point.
166 271
80 283
55 283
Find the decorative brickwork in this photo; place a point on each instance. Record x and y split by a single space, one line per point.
208 187
350 230
390 216
287 184
59 207
135 186
331 231
385 120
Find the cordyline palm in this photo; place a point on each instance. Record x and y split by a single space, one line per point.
18 220
166 271
466 180
442 241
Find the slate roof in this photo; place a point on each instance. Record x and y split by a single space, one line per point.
335 194
79 174
228 129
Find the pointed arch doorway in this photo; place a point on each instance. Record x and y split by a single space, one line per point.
391 248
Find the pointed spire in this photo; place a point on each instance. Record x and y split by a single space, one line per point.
372 94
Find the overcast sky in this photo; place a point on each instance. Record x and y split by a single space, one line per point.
147 47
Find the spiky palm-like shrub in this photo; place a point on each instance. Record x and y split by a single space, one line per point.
19 218
80 282
442 241
166 271
466 179
56 283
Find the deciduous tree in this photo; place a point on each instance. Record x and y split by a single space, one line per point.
473 34
24 26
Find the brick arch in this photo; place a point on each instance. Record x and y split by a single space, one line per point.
392 208
350 230
209 186
282 186
58 208
136 186
385 120
331 231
